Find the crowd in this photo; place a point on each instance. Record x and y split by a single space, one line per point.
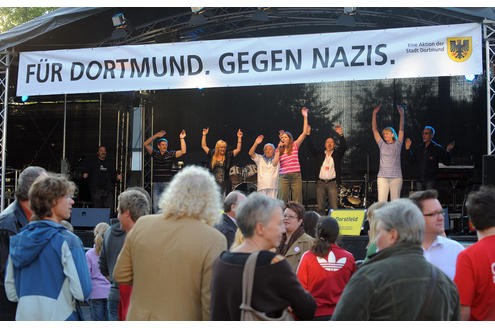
185 259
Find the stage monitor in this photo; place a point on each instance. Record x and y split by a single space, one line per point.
89 217
350 221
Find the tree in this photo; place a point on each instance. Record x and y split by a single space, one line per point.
13 16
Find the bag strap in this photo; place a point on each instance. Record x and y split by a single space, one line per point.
431 288
248 278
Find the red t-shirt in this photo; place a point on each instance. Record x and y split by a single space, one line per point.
475 278
325 278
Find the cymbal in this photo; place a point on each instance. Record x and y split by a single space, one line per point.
354 200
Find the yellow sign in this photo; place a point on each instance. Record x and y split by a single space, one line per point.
350 221
459 49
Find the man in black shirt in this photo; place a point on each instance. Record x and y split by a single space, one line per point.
163 162
425 158
102 177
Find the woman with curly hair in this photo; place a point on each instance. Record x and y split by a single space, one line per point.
168 257
325 270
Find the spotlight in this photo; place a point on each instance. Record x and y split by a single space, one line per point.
119 20
260 15
347 18
470 77
24 98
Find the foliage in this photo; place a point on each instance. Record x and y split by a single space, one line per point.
13 16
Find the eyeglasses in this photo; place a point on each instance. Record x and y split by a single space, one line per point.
433 213
290 216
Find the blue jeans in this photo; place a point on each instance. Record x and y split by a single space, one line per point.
158 188
113 310
98 309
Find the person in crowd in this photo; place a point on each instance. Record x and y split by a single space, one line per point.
326 268
228 225
329 169
12 219
100 172
370 215
163 162
389 179
310 221
425 158
133 203
275 284
475 268
100 286
267 167
220 160
67 225
46 270
168 257
397 283
438 249
289 179
295 242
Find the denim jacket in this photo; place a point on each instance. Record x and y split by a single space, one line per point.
394 285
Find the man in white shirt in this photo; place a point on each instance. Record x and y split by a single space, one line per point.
267 167
438 249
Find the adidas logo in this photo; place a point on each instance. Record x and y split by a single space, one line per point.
332 264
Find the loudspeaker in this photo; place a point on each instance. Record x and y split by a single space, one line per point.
488 170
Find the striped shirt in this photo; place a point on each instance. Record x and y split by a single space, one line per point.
290 163
390 159
162 165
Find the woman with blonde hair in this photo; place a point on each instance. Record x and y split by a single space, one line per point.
389 178
220 159
100 285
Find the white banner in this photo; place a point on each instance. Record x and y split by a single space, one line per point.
380 54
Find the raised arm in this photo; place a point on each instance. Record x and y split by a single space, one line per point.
183 147
237 150
147 143
400 109
203 140
302 136
376 134
257 141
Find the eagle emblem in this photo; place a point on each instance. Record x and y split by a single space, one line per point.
459 49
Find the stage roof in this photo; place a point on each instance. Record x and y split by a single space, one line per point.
68 28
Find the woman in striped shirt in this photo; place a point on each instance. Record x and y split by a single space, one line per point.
289 180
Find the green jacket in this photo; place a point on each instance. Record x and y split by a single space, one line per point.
394 284
297 249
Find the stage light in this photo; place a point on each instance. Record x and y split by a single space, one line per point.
347 18
470 77
197 17
260 15
119 20
24 98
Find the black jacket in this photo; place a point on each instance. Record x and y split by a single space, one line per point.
338 153
228 228
425 160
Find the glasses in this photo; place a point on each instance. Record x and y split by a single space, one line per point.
290 216
433 213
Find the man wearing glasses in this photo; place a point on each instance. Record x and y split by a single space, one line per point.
425 158
438 249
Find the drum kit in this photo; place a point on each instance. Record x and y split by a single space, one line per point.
244 178
351 196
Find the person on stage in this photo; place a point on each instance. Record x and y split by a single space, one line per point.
163 162
267 167
389 179
220 160
425 158
289 179
329 168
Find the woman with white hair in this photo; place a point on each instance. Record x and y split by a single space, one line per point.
389 179
168 257
275 287
397 283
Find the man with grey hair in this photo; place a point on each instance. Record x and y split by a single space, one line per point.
228 225
438 249
133 203
12 219
397 283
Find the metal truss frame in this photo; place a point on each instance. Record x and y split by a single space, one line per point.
5 60
489 38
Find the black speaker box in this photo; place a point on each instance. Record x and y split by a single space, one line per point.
488 169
